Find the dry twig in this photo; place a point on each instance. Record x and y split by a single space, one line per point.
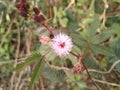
105 82
107 72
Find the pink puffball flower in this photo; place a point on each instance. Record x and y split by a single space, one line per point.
62 44
44 39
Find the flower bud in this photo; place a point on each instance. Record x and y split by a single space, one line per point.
17 5
43 39
39 18
36 10
23 1
23 13
78 68
26 6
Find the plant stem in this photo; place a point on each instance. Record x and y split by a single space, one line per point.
89 75
49 28
79 56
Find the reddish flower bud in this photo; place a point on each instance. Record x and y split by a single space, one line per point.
23 13
23 1
44 39
78 68
39 18
36 10
17 5
26 5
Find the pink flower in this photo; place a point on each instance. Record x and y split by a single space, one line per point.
62 44
44 39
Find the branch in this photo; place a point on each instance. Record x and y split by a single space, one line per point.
97 87
16 60
107 72
80 56
57 67
70 4
105 82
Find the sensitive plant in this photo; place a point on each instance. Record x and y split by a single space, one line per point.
62 43
92 42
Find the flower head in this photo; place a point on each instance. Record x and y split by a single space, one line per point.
43 39
62 44
23 7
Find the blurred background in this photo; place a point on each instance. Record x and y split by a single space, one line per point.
94 26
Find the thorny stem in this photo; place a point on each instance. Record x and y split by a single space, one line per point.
49 28
89 75
79 56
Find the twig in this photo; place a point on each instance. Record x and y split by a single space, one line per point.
6 34
105 82
16 58
90 75
104 13
71 3
42 85
57 67
28 42
6 62
49 28
112 14
92 56
80 56
107 72
91 5
18 81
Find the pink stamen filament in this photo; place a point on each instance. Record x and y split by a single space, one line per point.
62 45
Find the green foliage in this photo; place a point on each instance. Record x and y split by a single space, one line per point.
95 24
99 49
54 75
60 17
29 60
37 71
116 48
118 1
105 34
92 63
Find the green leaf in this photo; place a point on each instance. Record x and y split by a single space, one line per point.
116 1
54 75
72 18
93 27
117 67
37 71
50 56
28 61
103 35
116 27
99 49
64 22
89 62
115 45
92 64
78 40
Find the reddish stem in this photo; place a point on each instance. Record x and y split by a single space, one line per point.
48 28
80 56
